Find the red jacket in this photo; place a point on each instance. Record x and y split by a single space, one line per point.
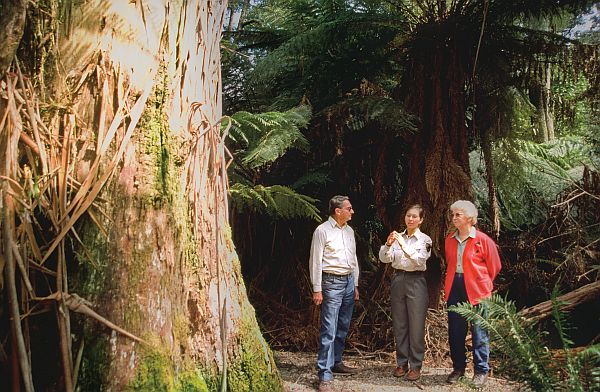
481 264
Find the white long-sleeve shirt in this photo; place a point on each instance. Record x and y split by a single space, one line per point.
414 256
333 250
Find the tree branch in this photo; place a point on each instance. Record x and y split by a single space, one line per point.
571 299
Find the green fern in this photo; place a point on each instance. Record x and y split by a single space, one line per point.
387 113
532 175
317 178
277 201
520 345
522 349
587 365
259 139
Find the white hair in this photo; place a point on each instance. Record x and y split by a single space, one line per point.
467 207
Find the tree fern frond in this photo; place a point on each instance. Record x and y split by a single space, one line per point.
387 113
259 139
520 345
277 201
313 178
273 145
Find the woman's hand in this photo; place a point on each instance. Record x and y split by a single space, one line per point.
391 238
395 236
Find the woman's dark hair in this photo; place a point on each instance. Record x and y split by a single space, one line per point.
417 207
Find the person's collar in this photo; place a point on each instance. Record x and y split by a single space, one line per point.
417 233
334 223
472 233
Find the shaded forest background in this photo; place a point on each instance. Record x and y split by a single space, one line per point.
395 102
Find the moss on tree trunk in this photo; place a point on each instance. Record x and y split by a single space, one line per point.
156 258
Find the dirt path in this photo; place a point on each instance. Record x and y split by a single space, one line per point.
297 371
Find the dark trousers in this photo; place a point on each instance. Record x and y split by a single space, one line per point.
457 333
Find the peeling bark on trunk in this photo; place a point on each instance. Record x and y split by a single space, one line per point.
12 24
144 103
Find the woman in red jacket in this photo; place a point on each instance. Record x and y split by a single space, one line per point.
472 264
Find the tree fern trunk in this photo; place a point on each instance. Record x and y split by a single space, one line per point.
438 164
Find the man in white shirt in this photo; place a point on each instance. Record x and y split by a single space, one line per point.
334 276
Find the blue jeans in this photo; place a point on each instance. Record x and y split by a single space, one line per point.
336 312
457 333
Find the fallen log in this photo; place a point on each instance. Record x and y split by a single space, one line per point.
570 300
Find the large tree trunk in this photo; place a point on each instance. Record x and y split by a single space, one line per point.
439 158
142 123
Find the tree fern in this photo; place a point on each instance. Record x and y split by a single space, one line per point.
322 39
387 113
532 175
257 140
316 178
519 344
260 139
523 351
277 201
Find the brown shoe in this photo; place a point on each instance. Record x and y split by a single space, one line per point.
479 380
326 386
341 368
413 374
454 376
400 371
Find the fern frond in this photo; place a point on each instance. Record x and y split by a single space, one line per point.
387 113
277 201
262 138
520 345
587 366
313 178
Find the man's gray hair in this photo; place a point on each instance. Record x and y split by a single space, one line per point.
467 207
336 202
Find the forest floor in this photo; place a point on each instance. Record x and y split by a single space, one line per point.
375 375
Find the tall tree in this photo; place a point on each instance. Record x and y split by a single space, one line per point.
130 166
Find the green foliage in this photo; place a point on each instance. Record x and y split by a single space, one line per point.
531 176
388 114
524 354
280 202
154 373
316 40
317 178
262 138
257 141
